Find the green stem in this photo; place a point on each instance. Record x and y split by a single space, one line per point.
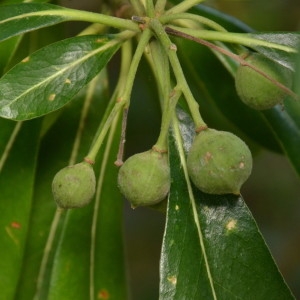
46 253
187 16
126 58
79 15
91 156
94 28
170 48
236 57
83 118
234 38
138 7
168 113
123 101
9 144
102 174
160 6
162 70
144 39
183 6
150 9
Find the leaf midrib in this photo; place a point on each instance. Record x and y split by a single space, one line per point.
179 143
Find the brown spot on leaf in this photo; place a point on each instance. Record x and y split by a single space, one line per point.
103 294
15 225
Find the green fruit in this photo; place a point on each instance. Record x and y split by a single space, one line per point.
144 178
74 186
219 162
257 91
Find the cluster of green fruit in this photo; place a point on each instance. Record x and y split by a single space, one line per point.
218 162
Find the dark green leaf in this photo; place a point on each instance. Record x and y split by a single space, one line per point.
109 273
7 49
17 170
20 18
212 248
227 21
285 122
51 76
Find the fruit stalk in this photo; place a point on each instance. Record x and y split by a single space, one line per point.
124 100
183 6
170 49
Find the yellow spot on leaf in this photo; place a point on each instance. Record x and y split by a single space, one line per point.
26 59
176 207
172 279
51 97
67 81
101 40
231 224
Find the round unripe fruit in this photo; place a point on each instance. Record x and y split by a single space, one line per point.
144 178
74 186
257 91
219 162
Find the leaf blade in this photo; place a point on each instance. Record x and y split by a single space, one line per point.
15 203
47 85
233 246
12 18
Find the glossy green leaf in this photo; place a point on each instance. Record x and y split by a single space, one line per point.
50 77
290 39
20 18
17 170
212 248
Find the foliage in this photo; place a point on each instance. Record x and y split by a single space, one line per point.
57 109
